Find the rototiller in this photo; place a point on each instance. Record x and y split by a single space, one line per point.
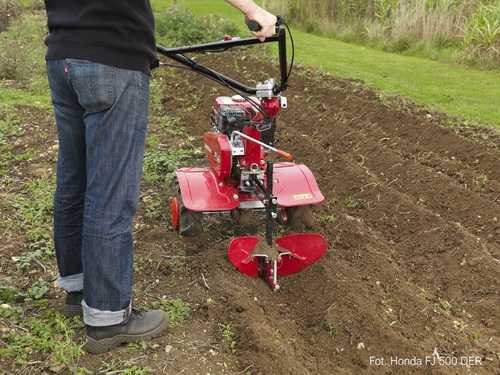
239 180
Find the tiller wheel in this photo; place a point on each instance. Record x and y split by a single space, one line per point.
286 256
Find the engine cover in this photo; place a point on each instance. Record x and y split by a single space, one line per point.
232 113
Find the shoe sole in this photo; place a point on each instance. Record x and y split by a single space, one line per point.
94 346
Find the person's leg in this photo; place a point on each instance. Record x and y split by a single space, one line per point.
115 104
116 110
115 138
71 179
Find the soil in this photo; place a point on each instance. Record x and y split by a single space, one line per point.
410 281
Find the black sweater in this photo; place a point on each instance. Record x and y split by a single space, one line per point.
118 33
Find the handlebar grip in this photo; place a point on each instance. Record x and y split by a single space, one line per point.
253 26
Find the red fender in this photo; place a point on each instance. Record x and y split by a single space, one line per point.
203 190
295 185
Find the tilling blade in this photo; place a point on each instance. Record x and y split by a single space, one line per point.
240 250
305 250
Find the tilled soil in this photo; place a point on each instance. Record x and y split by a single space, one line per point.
410 281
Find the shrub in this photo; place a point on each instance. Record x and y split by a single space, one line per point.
10 10
179 28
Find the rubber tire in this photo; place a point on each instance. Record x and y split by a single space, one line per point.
296 217
242 215
186 222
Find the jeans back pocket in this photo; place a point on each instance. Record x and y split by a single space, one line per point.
93 83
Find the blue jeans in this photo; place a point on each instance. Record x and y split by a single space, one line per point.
101 114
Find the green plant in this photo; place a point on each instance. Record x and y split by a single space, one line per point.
176 310
36 290
482 31
178 28
227 335
481 181
24 33
10 11
475 336
45 334
327 219
332 329
9 127
154 202
33 215
118 366
445 305
13 313
160 165
424 294
353 203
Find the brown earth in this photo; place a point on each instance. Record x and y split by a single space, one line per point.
410 282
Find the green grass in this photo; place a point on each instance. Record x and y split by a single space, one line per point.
470 94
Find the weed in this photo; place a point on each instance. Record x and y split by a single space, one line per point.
327 219
459 325
153 141
25 33
46 334
159 166
36 290
481 34
10 128
481 181
445 305
34 216
424 294
10 11
13 313
178 29
353 203
177 261
117 366
227 335
421 201
475 336
334 244
277 337
176 310
154 203
332 329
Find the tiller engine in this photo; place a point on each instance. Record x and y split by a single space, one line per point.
240 181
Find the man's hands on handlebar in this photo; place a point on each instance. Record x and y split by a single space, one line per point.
253 12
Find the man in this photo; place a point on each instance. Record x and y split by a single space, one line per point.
98 65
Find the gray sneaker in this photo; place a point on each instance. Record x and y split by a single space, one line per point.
139 325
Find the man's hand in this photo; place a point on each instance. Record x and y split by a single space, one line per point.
253 12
